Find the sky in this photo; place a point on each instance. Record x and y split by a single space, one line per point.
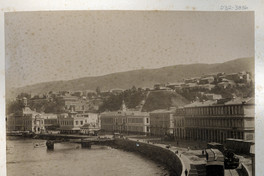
64 45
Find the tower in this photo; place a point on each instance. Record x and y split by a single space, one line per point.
124 106
24 100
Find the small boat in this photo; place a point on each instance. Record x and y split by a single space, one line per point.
37 145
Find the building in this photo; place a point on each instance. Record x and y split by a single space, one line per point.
213 96
161 122
116 91
77 104
90 118
179 124
73 122
70 124
50 121
215 121
125 121
25 120
206 80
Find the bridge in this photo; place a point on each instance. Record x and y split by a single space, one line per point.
84 140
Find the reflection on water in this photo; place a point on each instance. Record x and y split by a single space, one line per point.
25 159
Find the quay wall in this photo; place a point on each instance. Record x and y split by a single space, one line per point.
244 171
157 153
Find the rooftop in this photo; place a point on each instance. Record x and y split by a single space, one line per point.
235 101
163 111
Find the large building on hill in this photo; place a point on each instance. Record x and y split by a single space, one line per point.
78 104
125 121
216 121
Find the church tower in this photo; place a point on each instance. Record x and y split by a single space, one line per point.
24 100
124 106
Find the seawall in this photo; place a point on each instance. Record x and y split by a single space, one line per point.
157 153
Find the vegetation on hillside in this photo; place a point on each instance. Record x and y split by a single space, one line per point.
41 105
163 100
132 98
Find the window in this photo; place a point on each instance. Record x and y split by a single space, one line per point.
76 123
81 122
147 120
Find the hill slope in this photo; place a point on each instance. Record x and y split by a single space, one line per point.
163 100
140 78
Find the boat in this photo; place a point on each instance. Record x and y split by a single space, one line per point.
37 145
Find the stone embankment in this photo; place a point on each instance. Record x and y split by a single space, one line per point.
154 152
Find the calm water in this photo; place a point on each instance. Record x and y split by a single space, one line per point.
69 159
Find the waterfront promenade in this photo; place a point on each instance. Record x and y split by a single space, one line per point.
190 153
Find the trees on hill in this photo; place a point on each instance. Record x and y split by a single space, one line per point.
40 105
132 98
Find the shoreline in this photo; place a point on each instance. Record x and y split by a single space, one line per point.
126 145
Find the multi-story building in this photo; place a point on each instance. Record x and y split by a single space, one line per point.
77 104
216 121
162 122
72 122
125 121
90 118
179 124
50 121
25 120
69 123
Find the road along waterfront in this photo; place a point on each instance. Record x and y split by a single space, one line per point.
30 157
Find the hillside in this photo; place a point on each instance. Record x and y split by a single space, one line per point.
139 78
163 100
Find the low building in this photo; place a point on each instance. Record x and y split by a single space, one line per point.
213 96
116 91
206 80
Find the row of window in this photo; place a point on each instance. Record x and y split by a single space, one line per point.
221 110
123 120
135 120
71 122
215 122
179 122
66 122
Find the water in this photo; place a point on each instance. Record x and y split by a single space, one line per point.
69 159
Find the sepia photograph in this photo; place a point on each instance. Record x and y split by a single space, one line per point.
130 92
